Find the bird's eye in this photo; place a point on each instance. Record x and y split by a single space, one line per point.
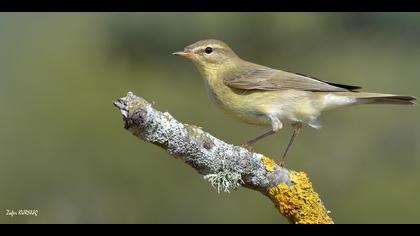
208 50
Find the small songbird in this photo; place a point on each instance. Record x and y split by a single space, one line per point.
261 95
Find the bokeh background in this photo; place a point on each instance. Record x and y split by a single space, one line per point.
64 152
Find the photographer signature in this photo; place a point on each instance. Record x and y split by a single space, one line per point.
22 212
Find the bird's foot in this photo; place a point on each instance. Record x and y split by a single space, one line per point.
247 146
282 163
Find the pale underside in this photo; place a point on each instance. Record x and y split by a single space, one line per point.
276 108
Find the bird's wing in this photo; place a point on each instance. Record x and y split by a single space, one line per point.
271 79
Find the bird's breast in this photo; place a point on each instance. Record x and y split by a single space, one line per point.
236 103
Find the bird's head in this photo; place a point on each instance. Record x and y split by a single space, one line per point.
209 55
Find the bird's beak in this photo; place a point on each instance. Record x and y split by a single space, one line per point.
186 54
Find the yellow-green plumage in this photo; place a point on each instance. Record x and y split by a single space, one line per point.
261 95
254 106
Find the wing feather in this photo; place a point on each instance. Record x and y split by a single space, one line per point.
271 79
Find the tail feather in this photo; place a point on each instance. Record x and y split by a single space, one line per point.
388 99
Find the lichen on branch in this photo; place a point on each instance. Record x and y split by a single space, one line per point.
299 202
225 166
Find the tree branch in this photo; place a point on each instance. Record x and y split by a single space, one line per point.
225 166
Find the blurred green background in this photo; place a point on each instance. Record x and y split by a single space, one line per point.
64 152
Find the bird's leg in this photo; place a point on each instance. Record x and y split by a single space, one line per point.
296 130
276 126
248 144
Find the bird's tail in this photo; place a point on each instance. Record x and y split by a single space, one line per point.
379 98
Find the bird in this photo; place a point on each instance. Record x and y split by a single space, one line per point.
260 95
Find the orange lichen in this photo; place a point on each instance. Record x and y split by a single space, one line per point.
299 202
268 163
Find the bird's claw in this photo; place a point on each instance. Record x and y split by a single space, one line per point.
247 147
282 163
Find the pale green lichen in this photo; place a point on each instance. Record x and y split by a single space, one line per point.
225 180
299 202
134 106
197 133
167 116
193 130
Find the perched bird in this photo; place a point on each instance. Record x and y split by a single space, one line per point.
261 95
